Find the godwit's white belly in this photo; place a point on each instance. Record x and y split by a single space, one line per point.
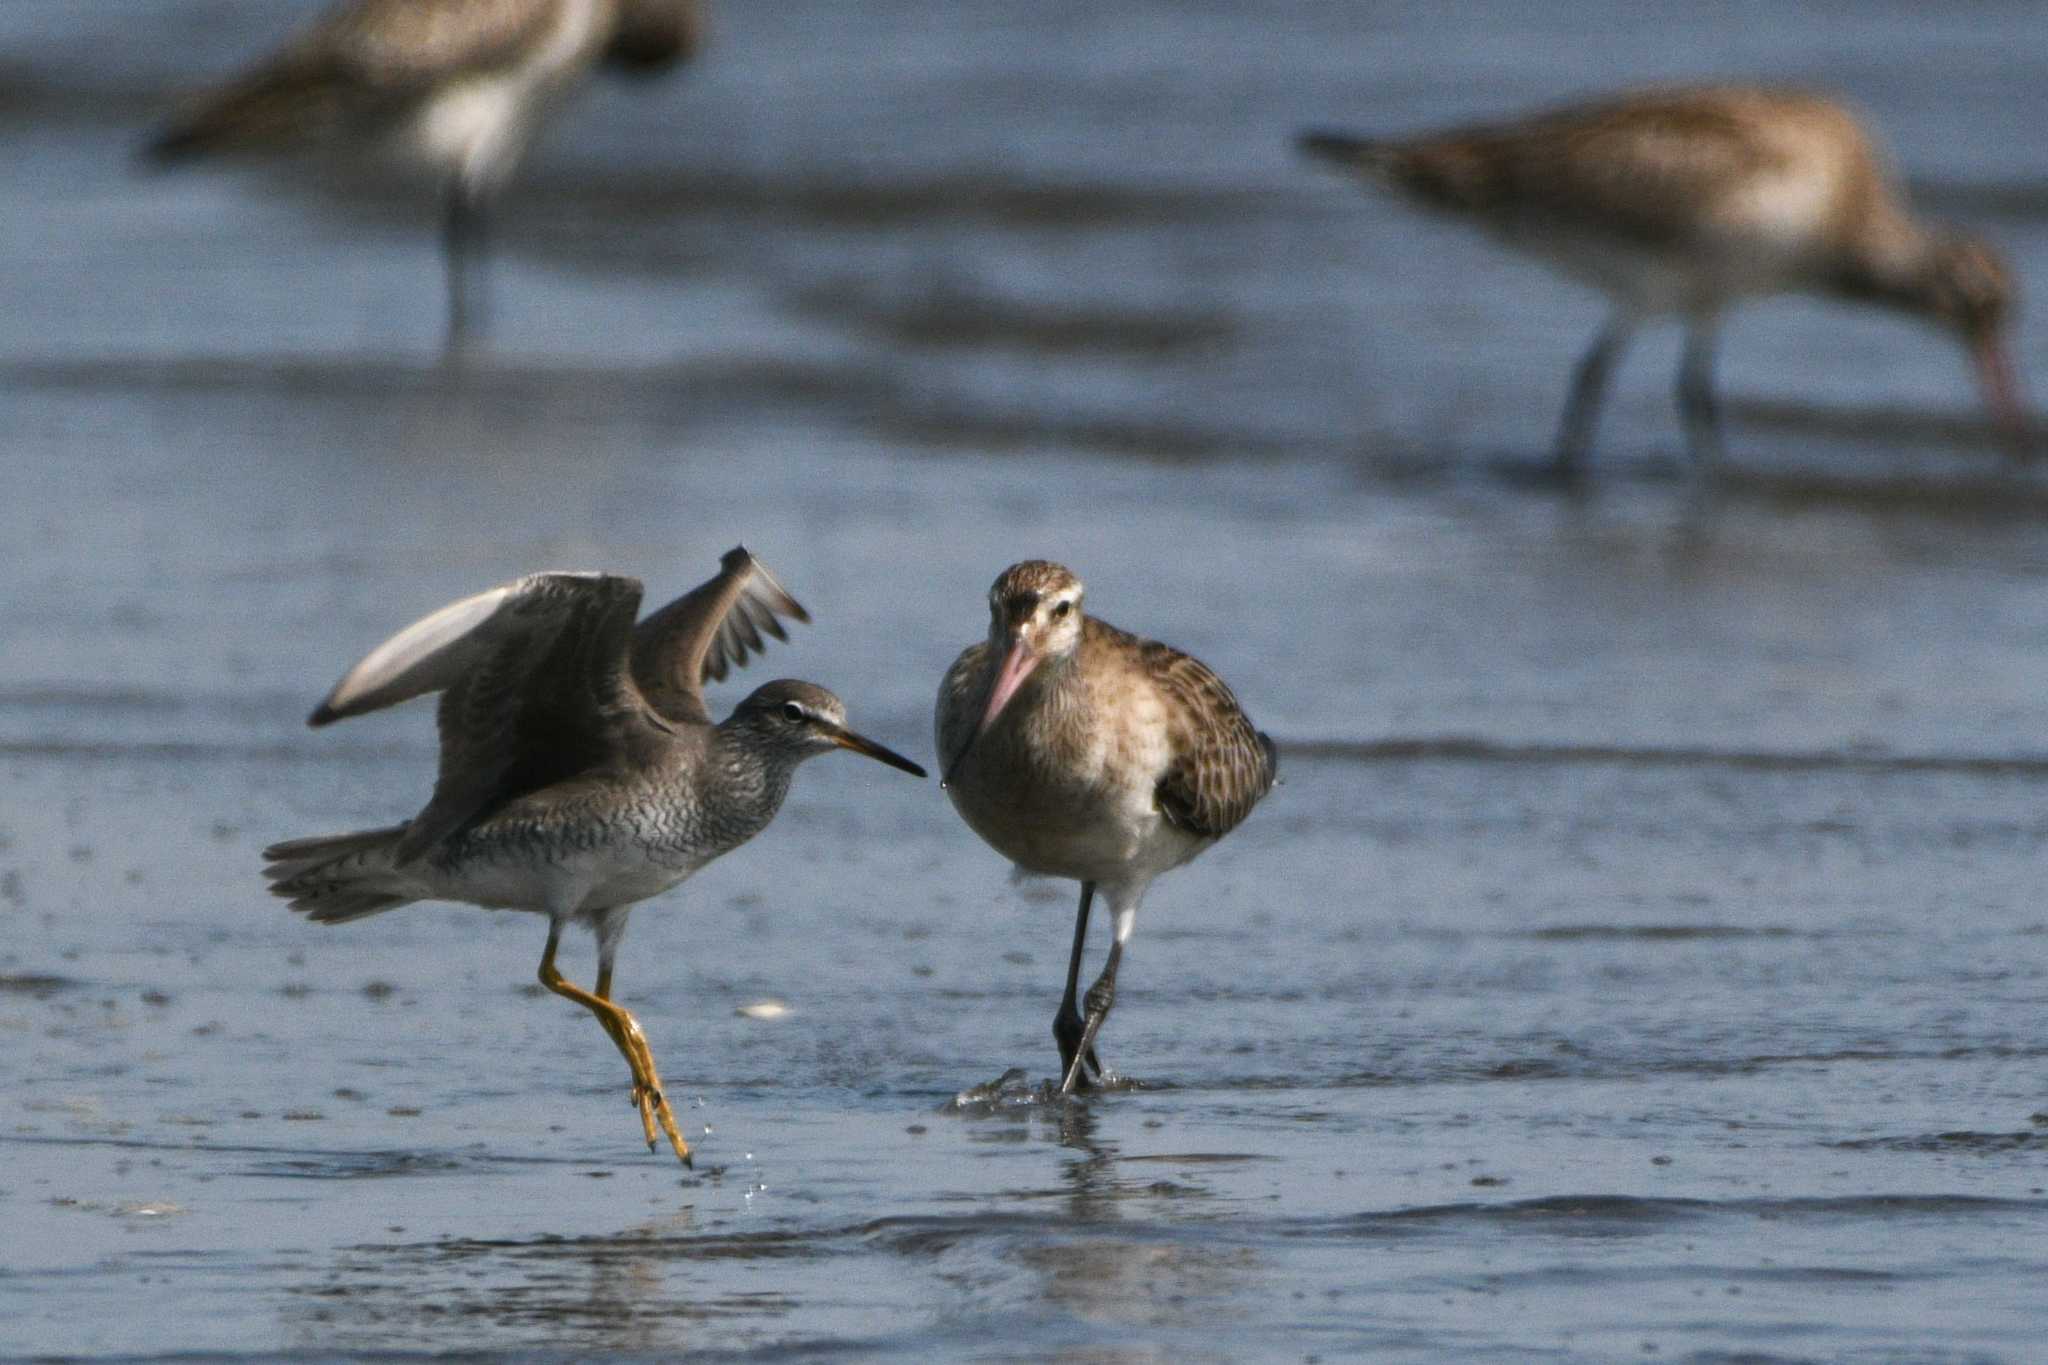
1089 811
478 127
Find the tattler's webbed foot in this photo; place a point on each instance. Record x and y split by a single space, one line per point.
654 1105
648 1096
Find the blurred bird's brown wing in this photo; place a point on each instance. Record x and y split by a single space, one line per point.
707 631
416 42
1659 170
357 63
1222 765
534 690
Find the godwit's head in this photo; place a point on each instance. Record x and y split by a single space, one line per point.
1034 617
1036 604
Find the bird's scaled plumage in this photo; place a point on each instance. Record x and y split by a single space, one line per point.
1076 749
579 768
455 88
1684 201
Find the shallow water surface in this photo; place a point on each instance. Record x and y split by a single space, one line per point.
1643 955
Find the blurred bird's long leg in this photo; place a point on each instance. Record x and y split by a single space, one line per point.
1067 1025
464 243
624 1031
1589 390
1101 999
1698 407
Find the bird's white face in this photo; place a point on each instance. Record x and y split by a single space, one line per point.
806 718
1034 615
1047 623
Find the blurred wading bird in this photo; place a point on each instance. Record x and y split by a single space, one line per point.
1682 202
458 88
1078 750
580 770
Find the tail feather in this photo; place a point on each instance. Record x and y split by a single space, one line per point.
339 877
339 907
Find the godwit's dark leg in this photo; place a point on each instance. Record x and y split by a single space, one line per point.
1698 406
1589 391
624 1031
1067 1025
464 244
1101 1000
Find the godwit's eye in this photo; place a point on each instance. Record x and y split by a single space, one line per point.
792 711
1061 610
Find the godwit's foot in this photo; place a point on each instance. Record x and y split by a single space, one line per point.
1084 1055
1067 1028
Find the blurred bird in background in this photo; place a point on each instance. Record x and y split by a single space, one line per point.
1683 202
457 89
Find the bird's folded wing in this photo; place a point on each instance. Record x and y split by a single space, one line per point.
707 631
963 694
1222 765
1661 174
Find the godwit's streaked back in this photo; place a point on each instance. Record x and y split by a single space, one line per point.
458 88
1682 202
1078 750
580 770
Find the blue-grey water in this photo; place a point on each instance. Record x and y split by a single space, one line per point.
1645 956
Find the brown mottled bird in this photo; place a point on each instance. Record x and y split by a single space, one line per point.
580 770
1078 750
1682 202
458 88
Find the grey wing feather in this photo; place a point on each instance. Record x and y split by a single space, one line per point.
533 684
1223 766
429 655
551 700
707 631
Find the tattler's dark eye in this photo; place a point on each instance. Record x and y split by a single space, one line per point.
792 711
1061 610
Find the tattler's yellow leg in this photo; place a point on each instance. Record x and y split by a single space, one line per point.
624 1031
648 1094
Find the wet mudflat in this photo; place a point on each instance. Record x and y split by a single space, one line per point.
1643 956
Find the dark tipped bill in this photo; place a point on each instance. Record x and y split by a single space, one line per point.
861 744
2002 392
1016 667
1324 144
